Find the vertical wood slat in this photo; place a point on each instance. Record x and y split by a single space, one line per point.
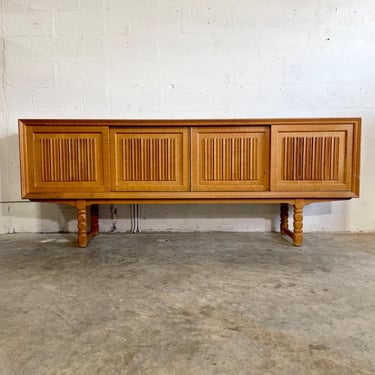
230 159
310 158
68 159
150 159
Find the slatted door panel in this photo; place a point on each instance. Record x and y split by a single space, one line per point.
230 159
312 158
66 160
150 159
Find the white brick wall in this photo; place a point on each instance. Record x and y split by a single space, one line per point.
191 58
27 23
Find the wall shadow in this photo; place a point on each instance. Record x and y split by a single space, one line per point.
10 185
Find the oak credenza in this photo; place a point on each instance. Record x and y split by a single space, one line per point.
286 161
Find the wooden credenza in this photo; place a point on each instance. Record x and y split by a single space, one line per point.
286 161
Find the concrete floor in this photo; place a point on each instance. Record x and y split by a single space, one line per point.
187 303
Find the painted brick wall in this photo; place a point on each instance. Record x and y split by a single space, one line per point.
171 59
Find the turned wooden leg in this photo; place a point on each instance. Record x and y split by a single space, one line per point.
81 223
298 222
284 215
94 219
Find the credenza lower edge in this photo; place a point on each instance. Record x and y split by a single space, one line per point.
89 228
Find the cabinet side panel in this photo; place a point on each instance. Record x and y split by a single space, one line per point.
356 156
23 158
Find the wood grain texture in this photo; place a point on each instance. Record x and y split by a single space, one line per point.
298 222
311 158
64 159
284 216
82 223
185 195
305 158
150 159
94 220
230 159
124 123
320 157
68 159
288 161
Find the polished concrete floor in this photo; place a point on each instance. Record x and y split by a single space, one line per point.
187 303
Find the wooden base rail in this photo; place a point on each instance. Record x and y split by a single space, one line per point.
85 232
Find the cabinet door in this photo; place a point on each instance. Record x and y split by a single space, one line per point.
61 161
313 157
230 158
150 159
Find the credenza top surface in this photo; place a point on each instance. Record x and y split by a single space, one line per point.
188 122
